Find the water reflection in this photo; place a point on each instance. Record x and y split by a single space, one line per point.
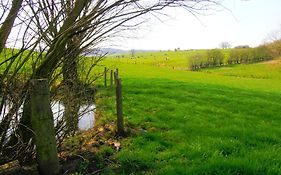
87 119
86 113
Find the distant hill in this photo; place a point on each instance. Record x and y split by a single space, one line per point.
111 51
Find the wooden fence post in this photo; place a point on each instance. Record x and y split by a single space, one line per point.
116 75
42 123
111 79
120 121
105 70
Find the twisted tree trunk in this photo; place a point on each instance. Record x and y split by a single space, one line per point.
53 57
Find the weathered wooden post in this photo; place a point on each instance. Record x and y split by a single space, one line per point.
116 74
120 121
105 77
42 123
111 79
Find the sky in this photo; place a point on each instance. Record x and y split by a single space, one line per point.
242 22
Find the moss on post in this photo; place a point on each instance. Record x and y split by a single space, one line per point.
43 127
120 120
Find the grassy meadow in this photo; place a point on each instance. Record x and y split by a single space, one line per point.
172 59
221 120
212 121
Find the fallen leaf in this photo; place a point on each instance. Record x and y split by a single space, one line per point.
117 145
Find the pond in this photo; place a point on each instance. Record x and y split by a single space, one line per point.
86 113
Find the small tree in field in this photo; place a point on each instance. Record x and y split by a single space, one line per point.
133 53
215 57
225 45
274 43
196 61
275 48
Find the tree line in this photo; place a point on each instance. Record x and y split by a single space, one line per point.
222 57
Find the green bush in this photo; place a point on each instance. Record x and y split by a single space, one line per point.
215 57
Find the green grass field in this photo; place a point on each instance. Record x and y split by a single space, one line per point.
213 121
171 59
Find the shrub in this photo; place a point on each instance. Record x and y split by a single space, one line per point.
215 57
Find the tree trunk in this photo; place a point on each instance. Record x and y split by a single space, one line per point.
70 87
52 59
7 25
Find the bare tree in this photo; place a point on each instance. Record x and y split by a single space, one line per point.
133 53
225 45
274 43
61 30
